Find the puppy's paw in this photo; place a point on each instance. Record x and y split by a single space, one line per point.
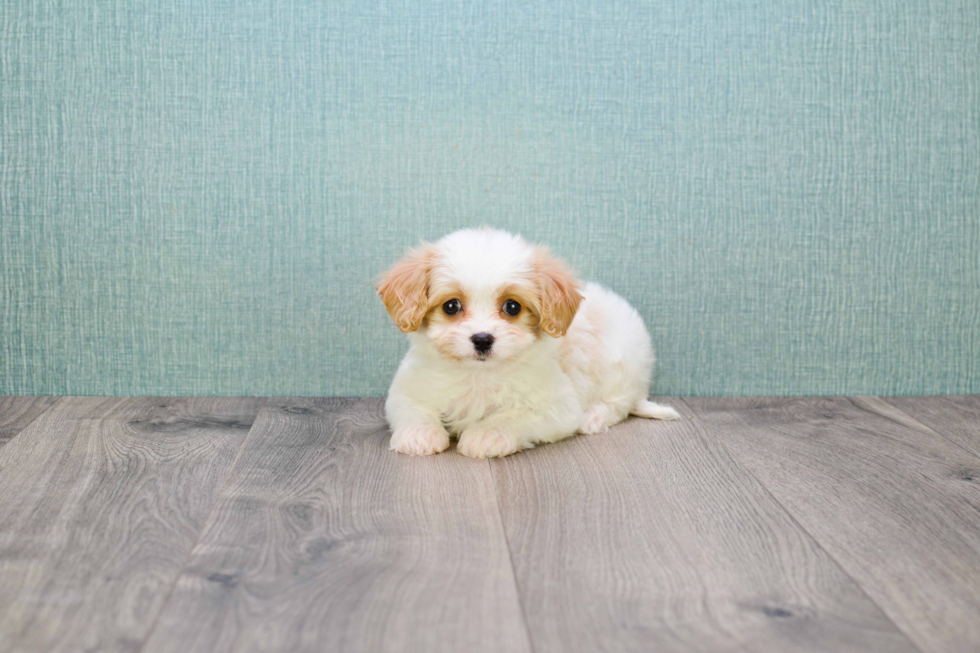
419 440
597 419
481 442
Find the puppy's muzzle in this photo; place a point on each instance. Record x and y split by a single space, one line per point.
482 342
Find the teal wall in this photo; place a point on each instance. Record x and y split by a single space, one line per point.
196 196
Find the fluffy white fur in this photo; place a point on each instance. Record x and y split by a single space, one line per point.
575 359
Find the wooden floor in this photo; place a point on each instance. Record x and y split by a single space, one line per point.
205 524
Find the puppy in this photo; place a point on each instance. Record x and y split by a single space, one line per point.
508 350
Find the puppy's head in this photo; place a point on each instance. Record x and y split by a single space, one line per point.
481 295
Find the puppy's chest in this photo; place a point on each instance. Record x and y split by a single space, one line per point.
477 399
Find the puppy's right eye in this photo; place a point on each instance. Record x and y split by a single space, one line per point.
452 307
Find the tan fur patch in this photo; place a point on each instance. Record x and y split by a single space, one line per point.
438 297
560 297
404 288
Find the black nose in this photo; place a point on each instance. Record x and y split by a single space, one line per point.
482 342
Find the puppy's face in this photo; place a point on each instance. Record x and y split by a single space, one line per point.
481 295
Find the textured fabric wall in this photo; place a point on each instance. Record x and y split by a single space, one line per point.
197 196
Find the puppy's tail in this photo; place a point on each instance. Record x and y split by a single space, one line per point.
650 410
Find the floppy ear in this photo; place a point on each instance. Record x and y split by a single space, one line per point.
404 288
559 293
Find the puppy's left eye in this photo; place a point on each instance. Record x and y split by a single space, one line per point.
511 307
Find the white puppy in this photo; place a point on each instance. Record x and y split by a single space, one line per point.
507 350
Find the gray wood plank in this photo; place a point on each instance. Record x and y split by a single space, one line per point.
98 514
956 418
18 412
324 540
897 507
651 537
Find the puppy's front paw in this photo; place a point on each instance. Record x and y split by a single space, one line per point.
486 443
419 440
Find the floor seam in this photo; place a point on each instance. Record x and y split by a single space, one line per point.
200 533
793 518
57 400
926 427
510 557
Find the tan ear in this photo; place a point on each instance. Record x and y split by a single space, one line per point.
404 288
560 297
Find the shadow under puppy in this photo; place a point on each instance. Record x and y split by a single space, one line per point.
508 350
